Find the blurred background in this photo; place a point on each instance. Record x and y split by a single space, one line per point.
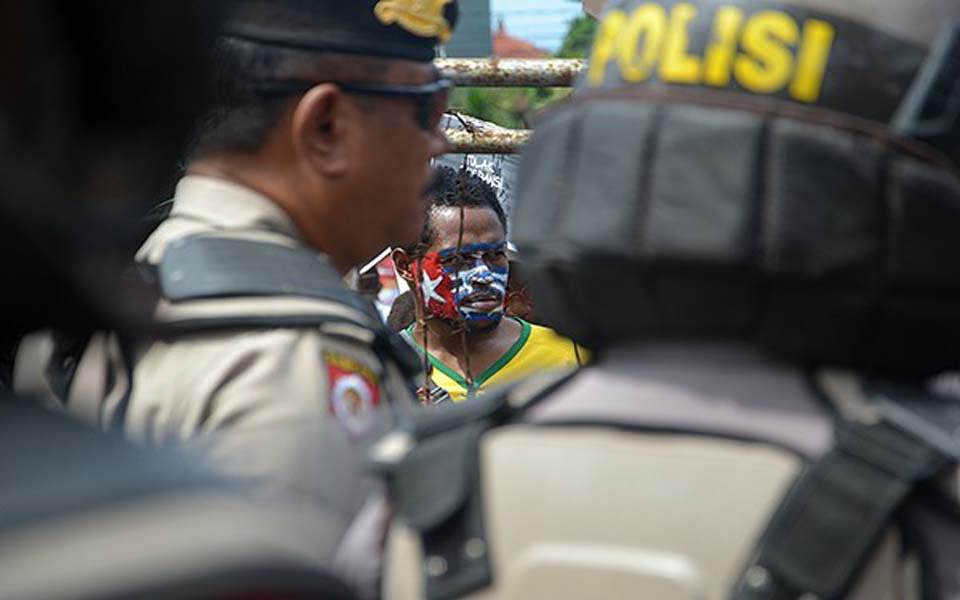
517 29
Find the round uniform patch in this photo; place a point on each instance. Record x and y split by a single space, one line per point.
354 392
352 401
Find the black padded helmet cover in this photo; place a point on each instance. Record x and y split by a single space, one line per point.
402 29
746 170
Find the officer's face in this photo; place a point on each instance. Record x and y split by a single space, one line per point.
352 166
395 160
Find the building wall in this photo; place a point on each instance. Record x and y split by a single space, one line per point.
472 36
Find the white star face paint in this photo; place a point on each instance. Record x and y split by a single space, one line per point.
436 288
429 286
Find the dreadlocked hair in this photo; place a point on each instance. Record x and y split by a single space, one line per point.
456 188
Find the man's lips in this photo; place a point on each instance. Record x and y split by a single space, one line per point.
483 302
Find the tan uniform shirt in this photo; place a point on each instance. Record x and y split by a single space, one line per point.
85 516
671 501
291 409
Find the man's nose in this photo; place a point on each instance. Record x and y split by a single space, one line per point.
484 275
439 144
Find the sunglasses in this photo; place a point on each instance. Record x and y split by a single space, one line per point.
431 99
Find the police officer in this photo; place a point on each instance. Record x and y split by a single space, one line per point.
315 156
82 514
750 212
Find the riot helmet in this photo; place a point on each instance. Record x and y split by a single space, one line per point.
782 173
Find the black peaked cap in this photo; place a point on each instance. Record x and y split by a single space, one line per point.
404 29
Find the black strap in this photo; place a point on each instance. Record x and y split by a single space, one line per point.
67 351
933 418
437 489
210 267
824 531
206 267
119 418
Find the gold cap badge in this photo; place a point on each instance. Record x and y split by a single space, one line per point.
420 17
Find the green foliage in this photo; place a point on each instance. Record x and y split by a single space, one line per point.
517 107
579 38
508 107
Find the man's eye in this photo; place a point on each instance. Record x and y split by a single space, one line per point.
459 264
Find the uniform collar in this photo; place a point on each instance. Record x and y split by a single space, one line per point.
229 206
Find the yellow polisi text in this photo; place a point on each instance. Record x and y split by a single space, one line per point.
765 52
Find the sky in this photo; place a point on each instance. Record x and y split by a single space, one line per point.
543 22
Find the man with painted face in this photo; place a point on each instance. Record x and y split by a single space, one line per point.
459 272
750 209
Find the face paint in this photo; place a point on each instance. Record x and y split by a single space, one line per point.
469 284
437 287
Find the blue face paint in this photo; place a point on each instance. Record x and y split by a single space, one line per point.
478 274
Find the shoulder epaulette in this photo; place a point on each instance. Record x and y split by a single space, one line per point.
259 284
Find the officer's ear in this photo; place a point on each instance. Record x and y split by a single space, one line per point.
404 264
320 128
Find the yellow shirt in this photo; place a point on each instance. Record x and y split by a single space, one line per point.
537 349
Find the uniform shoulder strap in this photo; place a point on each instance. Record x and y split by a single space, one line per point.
96 371
208 267
817 542
433 472
211 268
